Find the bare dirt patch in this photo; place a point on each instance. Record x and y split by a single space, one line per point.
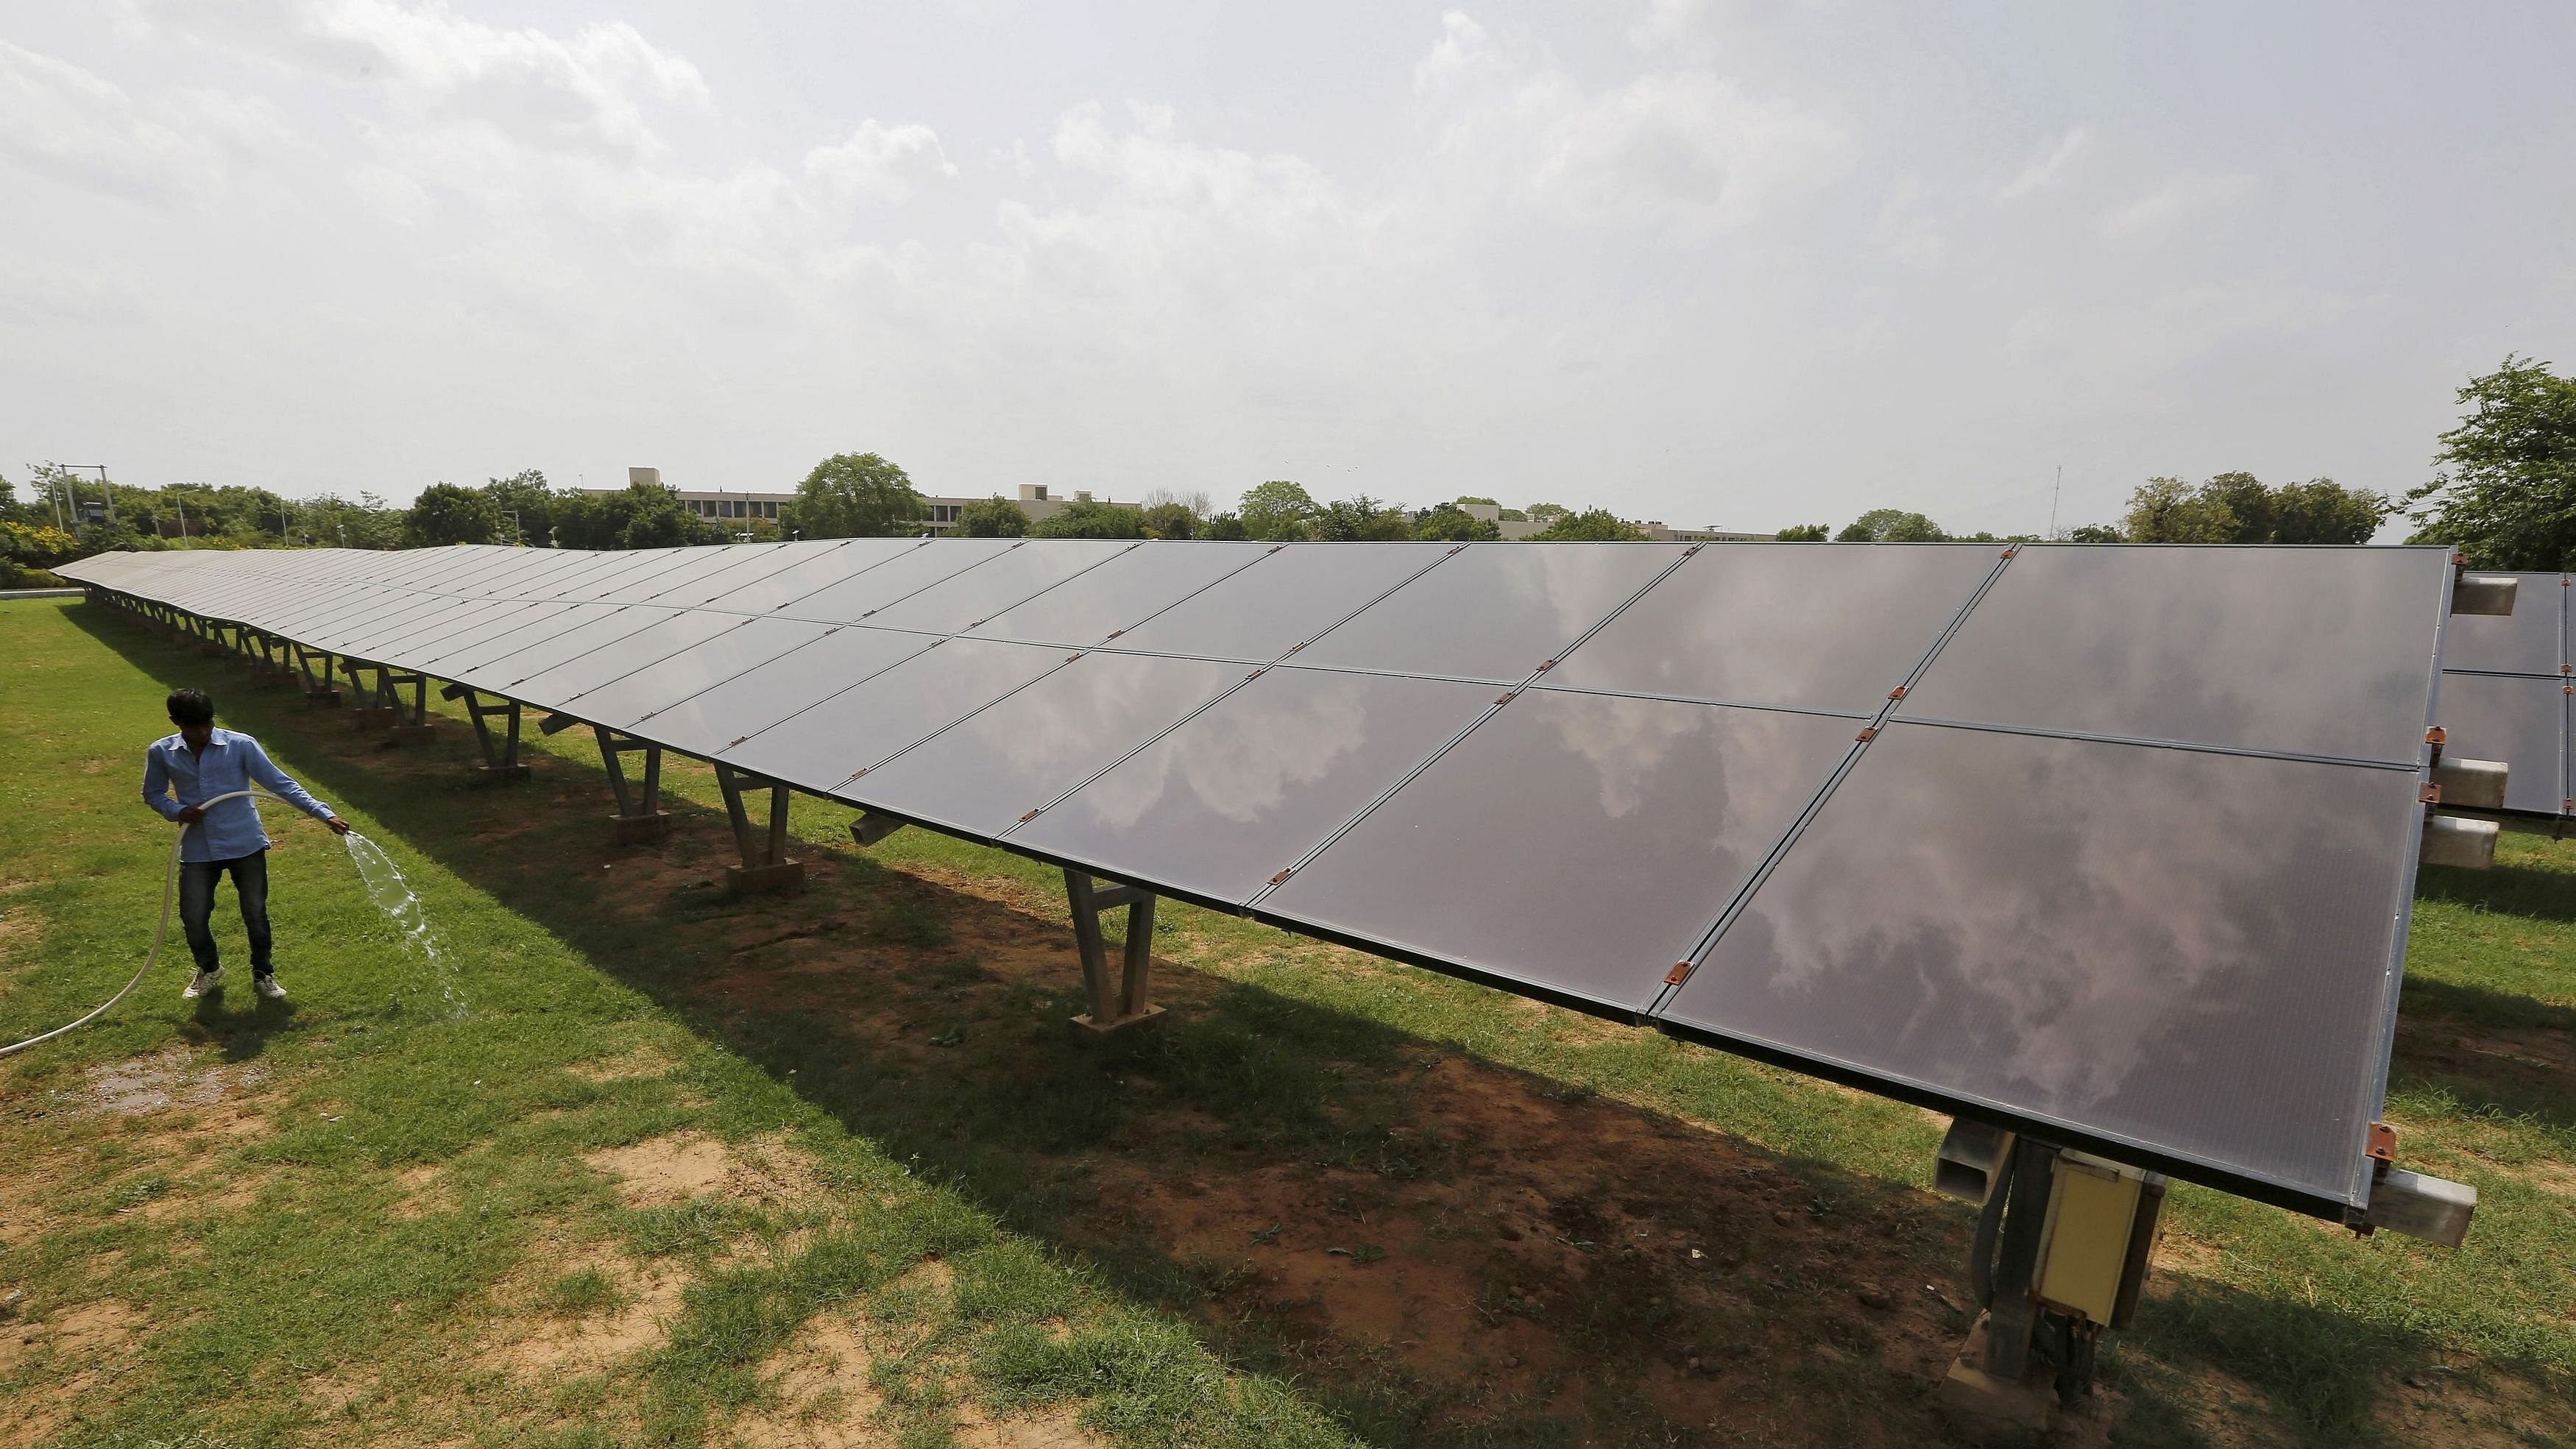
78 1349
662 1171
550 1346
821 1379
1058 1428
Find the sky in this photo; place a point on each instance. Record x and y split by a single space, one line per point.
1744 263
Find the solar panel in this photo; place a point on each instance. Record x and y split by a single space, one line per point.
2521 721
1220 804
2192 954
865 725
969 597
1818 628
724 714
2312 651
654 640
2530 640
991 769
1289 599
1577 843
862 594
1105 601
647 688
840 560
1492 612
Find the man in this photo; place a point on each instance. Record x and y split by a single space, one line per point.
182 772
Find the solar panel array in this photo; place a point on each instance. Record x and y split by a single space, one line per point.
2114 843
2509 693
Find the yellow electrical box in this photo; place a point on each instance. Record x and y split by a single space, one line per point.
2085 1250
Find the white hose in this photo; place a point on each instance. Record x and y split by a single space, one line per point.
160 933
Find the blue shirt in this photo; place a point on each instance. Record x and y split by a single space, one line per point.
232 761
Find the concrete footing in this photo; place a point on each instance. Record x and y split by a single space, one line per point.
1086 1029
505 774
640 829
414 734
322 698
785 878
374 717
1995 1409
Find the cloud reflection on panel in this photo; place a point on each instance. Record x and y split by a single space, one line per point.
990 770
1248 786
1581 843
2175 946
1496 611
860 727
2302 650
1825 626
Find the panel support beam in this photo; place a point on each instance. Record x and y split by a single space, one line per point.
640 818
501 762
318 667
765 864
1117 1003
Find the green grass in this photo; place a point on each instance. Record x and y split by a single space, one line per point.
416 1188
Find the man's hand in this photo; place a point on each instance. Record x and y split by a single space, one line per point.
338 825
191 815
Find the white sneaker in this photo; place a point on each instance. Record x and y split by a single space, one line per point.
201 983
267 986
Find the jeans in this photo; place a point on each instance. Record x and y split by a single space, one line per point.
197 906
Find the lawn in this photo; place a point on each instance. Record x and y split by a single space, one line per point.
630 1162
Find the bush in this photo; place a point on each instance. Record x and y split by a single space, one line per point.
1088 519
994 517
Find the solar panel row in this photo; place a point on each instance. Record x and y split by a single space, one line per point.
2116 842
2509 692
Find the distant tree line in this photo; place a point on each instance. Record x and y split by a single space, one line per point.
2503 493
2230 508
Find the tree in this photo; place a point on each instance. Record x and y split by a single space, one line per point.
446 513
855 495
640 515
1891 525
1548 512
526 495
1513 515
1805 533
1277 510
1451 523
1227 526
1592 525
2097 533
1362 520
1171 520
994 517
1086 518
2240 508
2506 492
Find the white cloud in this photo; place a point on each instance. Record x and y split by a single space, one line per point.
2130 339
1684 149
880 162
2047 168
63 122
2185 198
1906 232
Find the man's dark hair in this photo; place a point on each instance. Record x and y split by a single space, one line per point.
191 707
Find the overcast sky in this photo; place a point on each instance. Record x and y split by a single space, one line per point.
1748 264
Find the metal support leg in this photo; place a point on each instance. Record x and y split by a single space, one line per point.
640 817
1119 1004
320 689
501 762
375 705
411 722
765 866
1996 1378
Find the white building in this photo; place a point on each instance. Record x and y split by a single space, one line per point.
722 504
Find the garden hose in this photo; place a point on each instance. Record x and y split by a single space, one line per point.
160 933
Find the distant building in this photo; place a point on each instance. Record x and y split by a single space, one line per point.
719 503
1655 529
743 503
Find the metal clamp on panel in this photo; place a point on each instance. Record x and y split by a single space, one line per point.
2471 784
2457 841
2483 593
